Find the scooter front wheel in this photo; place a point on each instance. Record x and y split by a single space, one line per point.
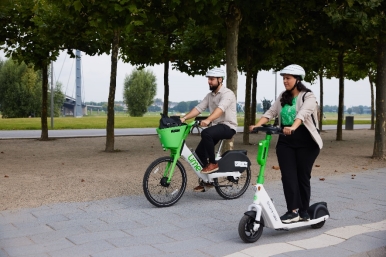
246 232
232 188
155 186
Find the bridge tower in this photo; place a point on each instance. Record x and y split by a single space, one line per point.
78 81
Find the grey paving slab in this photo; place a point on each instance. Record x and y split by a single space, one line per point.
37 249
84 250
200 224
129 251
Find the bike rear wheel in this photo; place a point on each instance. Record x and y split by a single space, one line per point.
155 186
232 188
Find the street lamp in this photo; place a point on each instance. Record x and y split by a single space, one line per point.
274 72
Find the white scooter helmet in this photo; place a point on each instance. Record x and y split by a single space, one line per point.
215 72
294 69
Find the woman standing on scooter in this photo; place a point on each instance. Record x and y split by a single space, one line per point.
300 145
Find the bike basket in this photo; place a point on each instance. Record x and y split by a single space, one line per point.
171 137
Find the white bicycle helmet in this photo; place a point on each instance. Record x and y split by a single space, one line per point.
215 72
294 69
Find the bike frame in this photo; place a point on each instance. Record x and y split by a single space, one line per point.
263 204
183 151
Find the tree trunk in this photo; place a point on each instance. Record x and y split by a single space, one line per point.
113 85
253 105
321 101
372 102
43 119
380 92
233 20
166 88
341 97
247 106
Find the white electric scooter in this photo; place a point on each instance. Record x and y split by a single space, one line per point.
262 213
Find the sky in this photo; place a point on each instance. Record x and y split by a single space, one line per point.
96 81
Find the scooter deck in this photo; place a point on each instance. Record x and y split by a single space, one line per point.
303 223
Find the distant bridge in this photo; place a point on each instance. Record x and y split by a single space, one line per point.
68 108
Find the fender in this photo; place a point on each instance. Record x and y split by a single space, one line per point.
234 160
318 210
251 214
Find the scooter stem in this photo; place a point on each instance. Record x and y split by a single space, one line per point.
262 156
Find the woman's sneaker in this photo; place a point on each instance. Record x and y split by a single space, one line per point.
290 217
304 216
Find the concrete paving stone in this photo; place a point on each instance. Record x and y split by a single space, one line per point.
344 214
361 243
317 242
223 248
83 250
113 226
88 215
106 206
345 222
161 228
381 225
349 231
7 227
139 240
55 235
3 253
40 221
96 236
380 206
135 215
222 236
63 210
24 232
373 215
74 223
36 255
22 216
188 233
320 252
379 252
129 251
37 248
194 253
378 234
270 249
18 241
183 245
199 221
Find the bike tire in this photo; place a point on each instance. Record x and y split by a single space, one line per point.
161 195
234 188
246 232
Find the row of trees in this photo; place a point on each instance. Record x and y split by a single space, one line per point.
21 91
342 39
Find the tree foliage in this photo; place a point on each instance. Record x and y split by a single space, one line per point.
20 90
139 89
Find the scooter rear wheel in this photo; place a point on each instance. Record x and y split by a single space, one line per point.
246 232
232 188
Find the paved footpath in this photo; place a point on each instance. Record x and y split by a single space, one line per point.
201 224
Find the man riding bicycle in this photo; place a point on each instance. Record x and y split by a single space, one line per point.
223 116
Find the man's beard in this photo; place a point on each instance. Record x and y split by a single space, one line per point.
214 88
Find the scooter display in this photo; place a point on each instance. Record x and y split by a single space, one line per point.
262 212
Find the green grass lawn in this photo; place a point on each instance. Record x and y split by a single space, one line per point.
149 120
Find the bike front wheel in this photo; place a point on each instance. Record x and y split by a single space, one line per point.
232 188
155 186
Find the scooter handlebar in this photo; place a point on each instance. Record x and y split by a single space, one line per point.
268 129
